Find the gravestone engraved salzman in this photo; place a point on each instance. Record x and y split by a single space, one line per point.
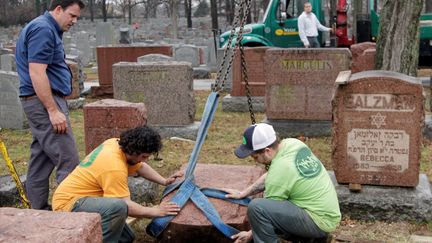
377 122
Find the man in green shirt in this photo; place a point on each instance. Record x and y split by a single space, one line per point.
299 197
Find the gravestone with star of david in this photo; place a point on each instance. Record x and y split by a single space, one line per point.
377 128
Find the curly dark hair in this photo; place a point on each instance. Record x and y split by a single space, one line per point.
142 139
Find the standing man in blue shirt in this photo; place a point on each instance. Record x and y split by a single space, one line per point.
45 81
308 26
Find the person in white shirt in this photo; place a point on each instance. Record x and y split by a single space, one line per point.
308 26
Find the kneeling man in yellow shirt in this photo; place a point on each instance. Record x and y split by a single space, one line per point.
100 183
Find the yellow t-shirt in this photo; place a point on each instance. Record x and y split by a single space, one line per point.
103 173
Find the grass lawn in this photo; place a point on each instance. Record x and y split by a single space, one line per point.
224 135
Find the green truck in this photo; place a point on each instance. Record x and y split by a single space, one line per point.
279 25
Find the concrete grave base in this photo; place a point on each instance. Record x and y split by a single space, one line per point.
28 225
142 191
105 91
387 203
294 128
240 104
201 72
186 131
75 104
191 226
427 130
9 195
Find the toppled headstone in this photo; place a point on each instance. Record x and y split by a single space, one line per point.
191 224
28 225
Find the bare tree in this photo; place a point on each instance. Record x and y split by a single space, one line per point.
104 10
214 15
91 10
188 12
127 6
398 38
229 10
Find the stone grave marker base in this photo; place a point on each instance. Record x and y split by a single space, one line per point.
240 104
386 203
294 128
102 91
182 131
9 196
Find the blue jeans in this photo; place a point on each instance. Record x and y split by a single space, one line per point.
270 219
113 212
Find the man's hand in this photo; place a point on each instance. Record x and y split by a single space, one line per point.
58 121
306 45
173 177
243 237
332 30
165 209
232 193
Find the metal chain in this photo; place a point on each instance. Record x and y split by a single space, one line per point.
244 67
219 84
246 79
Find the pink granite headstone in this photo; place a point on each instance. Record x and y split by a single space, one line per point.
191 225
377 129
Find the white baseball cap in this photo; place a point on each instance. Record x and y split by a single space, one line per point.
255 137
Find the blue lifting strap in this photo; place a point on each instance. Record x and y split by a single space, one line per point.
188 189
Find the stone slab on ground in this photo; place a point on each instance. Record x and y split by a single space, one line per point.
183 131
28 225
9 195
240 103
387 203
295 128
190 225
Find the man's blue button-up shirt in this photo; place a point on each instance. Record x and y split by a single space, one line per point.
40 41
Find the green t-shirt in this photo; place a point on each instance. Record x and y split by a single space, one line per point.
297 175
